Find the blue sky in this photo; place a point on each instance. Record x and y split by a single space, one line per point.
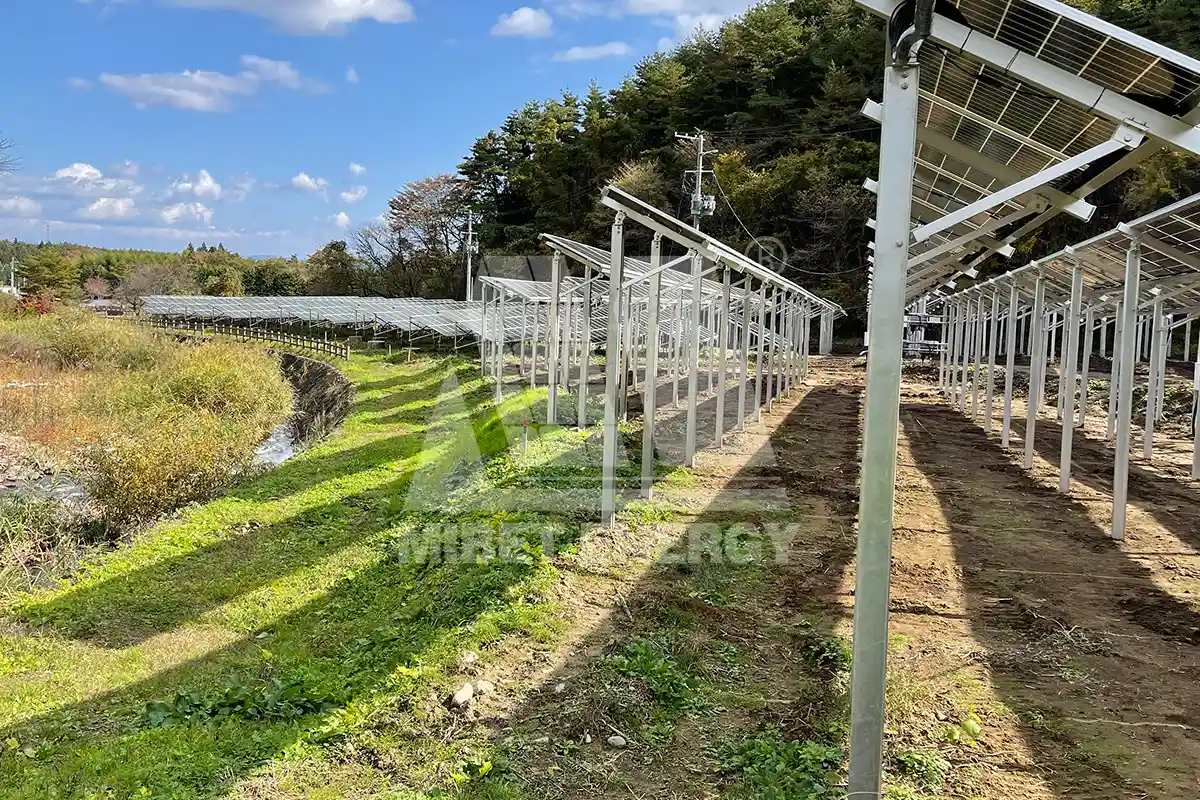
276 125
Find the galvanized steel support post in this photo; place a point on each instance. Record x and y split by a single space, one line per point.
1010 354
1085 368
689 452
1157 354
612 377
1037 368
1133 271
650 385
1066 380
585 346
744 354
993 336
723 355
881 430
552 340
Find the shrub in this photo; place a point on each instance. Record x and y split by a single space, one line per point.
41 540
925 766
153 424
773 768
227 379
83 341
163 463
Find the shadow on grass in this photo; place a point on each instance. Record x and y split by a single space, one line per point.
385 628
377 637
133 604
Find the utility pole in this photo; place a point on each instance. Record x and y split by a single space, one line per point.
472 248
702 205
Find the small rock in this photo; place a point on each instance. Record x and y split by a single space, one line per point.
542 740
617 741
484 687
559 688
462 696
940 717
587 738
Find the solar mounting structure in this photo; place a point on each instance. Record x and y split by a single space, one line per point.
1142 277
644 313
997 116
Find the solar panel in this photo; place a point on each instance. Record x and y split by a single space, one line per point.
1170 262
1025 107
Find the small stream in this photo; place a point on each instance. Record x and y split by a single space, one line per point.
274 451
278 448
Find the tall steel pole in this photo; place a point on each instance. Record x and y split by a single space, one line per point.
881 424
470 248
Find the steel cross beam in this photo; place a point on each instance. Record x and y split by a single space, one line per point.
931 212
1125 138
981 232
939 141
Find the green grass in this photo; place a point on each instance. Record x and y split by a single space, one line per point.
281 636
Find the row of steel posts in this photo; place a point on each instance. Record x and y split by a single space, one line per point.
974 323
643 330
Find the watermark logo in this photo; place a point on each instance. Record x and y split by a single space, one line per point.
768 251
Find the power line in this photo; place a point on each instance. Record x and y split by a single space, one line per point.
761 249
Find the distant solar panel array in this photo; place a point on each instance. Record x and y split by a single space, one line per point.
451 318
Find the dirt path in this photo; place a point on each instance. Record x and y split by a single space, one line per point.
1078 654
701 619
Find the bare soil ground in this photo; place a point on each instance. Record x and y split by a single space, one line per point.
1032 656
1079 653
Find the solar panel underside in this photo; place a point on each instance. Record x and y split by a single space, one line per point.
1018 129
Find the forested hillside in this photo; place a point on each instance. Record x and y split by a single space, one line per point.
69 271
780 91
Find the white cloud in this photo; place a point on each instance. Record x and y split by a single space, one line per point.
577 9
352 76
357 169
312 16
202 90
79 84
80 173
110 208
340 219
353 195
77 180
127 169
242 187
21 207
192 212
666 44
306 183
271 71
685 16
203 185
593 52
687 24
525 21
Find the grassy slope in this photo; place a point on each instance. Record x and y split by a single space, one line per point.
297 577
292 577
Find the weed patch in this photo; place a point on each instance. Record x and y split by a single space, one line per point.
770 767
272 700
